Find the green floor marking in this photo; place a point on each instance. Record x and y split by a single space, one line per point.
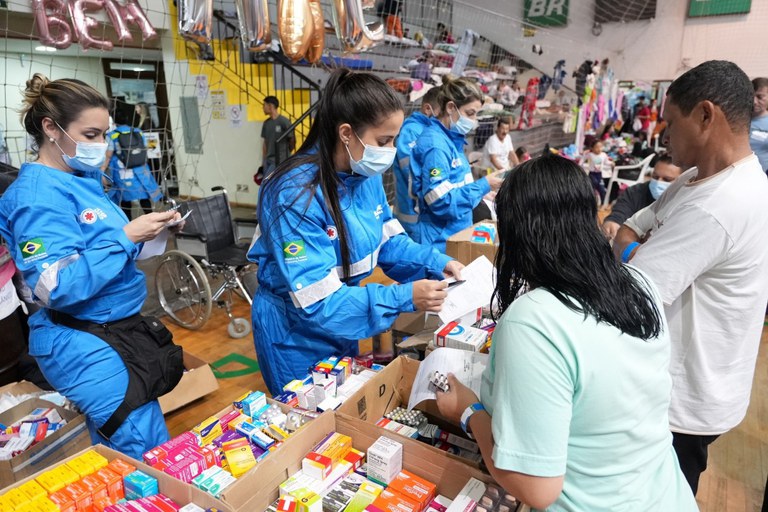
250 366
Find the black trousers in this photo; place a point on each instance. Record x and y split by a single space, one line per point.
692 454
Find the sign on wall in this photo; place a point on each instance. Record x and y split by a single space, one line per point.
718 7
546 13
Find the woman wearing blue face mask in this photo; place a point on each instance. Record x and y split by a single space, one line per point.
324 225
76 251
442 177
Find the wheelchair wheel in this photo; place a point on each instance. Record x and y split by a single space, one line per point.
239 328
183 290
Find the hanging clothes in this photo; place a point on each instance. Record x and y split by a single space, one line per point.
558 75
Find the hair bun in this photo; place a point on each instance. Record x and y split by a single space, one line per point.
448 79
35 87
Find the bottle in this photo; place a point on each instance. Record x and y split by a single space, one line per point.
383 348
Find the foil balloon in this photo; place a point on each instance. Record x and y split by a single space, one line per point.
254 24
317 43
295 27
84 23
53 29
131 12
196 20
355 35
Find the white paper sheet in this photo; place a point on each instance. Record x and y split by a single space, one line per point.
154 247
467 366
177 222
475 293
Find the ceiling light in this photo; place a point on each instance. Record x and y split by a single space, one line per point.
43 48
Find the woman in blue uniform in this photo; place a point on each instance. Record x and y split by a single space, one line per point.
77 254
442 176
324 225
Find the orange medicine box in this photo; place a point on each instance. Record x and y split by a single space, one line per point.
81 496
100 504
413 487
96 486
63 500
121 467
390 501
113 482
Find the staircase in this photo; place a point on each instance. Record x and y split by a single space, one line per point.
246 81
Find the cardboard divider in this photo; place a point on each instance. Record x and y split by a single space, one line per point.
196 382
178 491
449 474
71 438
460 246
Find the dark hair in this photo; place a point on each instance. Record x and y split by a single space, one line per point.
61 100
520 151
503 120
431 97
272 100
549 238
360 99
664 158
721 82
759 83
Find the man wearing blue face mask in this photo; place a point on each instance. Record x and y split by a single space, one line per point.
442 177
639 196
324 225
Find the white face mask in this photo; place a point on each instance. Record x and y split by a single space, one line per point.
375 160
463 125
89 156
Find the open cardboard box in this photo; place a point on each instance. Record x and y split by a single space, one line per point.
449 474
390 389
70 439
196 382
460 247
178 491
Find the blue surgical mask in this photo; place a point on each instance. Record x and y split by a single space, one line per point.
464 125
375 160
89 156
657 188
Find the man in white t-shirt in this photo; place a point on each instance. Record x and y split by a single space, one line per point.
705 242
498 152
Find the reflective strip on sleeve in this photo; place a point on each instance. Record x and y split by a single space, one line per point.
256 236
317 291
49 279
439 191
411 219
362 266
404 162
391 228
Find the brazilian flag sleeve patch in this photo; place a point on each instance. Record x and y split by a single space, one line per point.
32 249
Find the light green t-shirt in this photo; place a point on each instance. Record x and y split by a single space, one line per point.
570 396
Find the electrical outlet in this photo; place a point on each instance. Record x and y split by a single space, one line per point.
241 187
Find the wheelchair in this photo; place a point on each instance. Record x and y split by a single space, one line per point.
208 250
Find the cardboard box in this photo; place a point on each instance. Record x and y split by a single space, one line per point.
20 388
196 382
449 474
70 439
416 322
390 389
178 491
460 247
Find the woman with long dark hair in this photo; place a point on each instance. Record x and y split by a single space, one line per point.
573 409
324 225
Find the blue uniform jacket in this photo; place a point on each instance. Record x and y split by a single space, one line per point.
442 180
405 200
67 239
134 183
303 311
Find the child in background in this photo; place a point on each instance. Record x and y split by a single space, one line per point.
522 154
595 162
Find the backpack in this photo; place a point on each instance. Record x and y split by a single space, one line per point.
133 151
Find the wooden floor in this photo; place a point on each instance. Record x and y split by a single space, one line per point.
738 460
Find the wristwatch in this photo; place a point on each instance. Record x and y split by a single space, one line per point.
468 412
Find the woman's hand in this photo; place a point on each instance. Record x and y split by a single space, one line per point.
453 269
429 295
495 180
453 402
147 227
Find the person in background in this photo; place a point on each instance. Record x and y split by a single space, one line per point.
498 152
274 152
639 196
392 10
405 200
595 162
581 340
442 177
522 155
77 254
654 116
443 34
758 129
324 225
129 175
643 113
144 119
703 243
